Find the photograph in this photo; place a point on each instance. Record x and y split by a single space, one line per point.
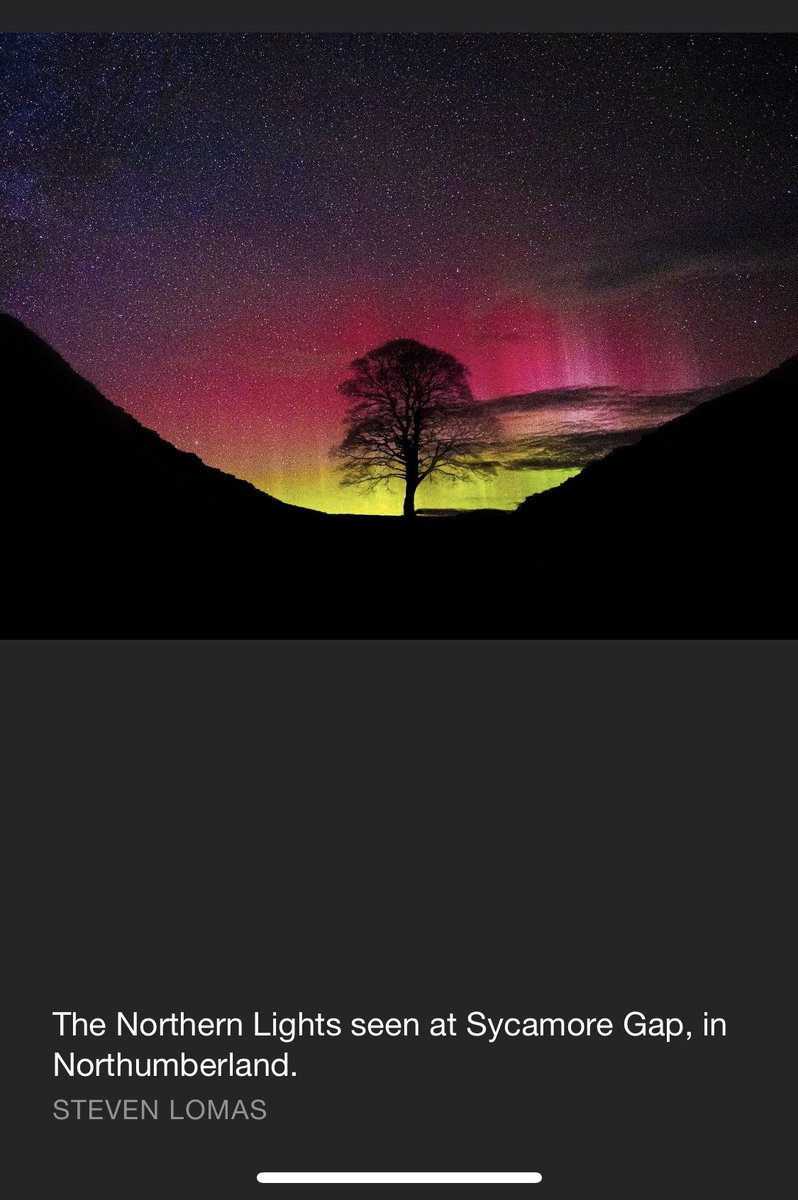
399 335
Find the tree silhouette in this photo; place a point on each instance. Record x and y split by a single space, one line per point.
411 415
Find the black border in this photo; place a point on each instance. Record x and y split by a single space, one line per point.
412 16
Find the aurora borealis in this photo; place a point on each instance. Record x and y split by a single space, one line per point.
211 226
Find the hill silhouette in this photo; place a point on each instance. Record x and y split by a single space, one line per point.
81 446
104 517
112 531
709 493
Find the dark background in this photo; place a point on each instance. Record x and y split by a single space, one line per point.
412 15
407 828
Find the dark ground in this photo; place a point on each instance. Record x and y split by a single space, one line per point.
113 532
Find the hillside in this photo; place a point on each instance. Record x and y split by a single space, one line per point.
713 489
79 447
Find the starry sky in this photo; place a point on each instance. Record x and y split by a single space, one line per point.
212 226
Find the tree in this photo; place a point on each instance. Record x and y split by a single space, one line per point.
411 416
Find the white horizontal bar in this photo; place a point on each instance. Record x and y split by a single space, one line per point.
399 1177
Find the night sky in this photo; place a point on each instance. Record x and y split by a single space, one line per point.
211 226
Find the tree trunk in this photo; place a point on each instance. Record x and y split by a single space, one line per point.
411 475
